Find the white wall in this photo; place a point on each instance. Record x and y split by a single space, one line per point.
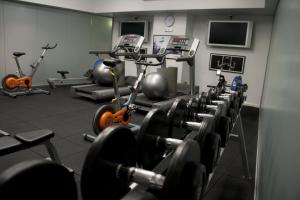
278 174
27 27
256 56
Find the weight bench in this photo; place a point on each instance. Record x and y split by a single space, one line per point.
11 144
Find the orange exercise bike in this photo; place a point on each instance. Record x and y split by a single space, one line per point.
128 46
14 85
107 115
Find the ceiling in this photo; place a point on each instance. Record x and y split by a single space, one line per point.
202 7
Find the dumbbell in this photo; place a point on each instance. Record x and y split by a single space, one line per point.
110 168
154 141
181 125
217 108
209 140
230 111
209 97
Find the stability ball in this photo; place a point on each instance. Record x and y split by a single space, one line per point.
102 75
155 86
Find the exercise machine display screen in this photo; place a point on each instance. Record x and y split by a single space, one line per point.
178 41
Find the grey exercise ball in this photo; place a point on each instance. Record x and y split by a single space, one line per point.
155 86
102 75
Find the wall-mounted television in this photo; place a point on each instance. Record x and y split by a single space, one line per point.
135 27
230 33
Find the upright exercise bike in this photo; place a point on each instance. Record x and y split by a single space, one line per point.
107 115
20 85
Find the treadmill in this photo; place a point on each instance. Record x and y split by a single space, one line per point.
131 45
176 44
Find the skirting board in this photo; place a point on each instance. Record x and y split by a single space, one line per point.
246 103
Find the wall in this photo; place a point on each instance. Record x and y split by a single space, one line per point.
27 27
256 56
278 174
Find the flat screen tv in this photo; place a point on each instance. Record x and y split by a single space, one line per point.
134 27
230 33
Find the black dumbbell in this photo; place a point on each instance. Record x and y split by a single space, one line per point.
155 141
180 124
231 105
210 141
217 108
110 168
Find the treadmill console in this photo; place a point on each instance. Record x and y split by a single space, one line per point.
179 42
182 44
130 41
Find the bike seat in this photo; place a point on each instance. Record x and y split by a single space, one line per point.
18 54
63 72
111 62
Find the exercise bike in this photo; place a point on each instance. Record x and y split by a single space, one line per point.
14 85
107 115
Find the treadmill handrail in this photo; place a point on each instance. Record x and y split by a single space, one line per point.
159 57
96 52
177 49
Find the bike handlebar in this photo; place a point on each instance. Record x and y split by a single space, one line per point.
160 58
49 47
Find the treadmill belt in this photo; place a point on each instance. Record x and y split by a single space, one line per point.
90 89
144 101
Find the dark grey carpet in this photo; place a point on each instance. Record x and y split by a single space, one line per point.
70 117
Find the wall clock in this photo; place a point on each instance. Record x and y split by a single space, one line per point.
169 20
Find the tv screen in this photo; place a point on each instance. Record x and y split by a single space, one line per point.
137 27
230 33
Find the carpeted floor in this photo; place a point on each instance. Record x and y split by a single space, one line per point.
69 117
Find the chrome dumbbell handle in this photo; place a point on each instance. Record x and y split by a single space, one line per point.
140 176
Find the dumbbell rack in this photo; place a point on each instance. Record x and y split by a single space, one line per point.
140 192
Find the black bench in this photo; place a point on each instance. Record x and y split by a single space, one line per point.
10 144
